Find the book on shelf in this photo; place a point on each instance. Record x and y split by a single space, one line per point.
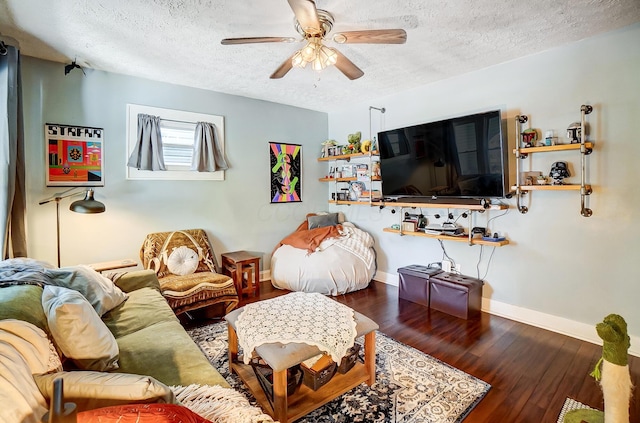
375 195
347 171
362 170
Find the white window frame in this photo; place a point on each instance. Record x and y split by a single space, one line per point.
177 115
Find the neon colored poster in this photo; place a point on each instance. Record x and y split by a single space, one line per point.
74 155
285 172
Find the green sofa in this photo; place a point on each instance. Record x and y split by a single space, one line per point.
150 338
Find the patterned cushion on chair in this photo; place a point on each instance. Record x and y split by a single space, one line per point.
185 283
158 246
182 292
181 286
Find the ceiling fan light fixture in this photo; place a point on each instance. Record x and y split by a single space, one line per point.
311 50
329 55
318 64
298 60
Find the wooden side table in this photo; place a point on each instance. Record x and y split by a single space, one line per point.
238 263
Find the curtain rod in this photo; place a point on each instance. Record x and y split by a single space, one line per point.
179 121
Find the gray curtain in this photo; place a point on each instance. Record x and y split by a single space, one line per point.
12 167
207 156
147 154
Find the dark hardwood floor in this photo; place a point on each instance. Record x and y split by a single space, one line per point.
531 370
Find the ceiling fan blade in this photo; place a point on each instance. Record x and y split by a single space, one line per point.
283 69
306 15
252 40
372 36
347 67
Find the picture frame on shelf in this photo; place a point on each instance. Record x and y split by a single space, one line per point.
333 150
347 171
356 188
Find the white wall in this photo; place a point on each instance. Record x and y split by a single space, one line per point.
236 213
558 263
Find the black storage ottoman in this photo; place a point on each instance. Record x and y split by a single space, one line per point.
458 295
414 283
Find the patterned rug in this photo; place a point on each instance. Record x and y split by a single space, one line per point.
410 386
571 404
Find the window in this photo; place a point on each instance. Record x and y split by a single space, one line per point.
177 128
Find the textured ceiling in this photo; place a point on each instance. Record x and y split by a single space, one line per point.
178 41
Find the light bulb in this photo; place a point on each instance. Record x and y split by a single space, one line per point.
318 64
298 61
309 52
330 57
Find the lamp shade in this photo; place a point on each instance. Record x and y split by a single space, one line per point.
88 204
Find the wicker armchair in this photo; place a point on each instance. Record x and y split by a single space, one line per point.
187 270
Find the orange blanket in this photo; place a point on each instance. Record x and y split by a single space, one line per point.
310 239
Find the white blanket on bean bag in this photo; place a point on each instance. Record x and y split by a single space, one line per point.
339 265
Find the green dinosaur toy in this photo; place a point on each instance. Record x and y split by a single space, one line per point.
354 143
614 377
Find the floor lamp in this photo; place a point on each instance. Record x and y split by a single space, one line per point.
86 205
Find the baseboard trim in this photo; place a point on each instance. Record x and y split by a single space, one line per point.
561 325
388 278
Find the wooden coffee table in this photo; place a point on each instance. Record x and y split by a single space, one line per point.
291 408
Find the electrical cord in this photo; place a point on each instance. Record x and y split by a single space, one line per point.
445 255
488 262
500 215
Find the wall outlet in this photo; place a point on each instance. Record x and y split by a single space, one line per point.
446 265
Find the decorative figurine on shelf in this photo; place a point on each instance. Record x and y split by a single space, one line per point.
574 132
365 146
326 146
559 171
550 138
541 180
354 143
375 170
529 137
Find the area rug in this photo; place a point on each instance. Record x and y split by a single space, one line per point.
410 386
571 404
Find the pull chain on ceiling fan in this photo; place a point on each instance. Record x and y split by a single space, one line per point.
314 24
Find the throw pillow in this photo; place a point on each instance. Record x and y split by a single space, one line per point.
141 413
32 343
78 331
182 261
20 401
89 390
322 220
101 292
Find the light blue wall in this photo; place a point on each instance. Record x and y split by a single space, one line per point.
558 263
236 213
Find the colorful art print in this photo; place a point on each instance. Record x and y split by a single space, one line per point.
75 155
285 161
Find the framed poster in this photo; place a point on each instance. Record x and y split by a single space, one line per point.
75 155
285 172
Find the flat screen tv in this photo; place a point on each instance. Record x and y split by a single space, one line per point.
461 157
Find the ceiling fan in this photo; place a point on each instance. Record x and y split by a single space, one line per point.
314 24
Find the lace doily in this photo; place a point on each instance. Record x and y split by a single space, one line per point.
298 317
